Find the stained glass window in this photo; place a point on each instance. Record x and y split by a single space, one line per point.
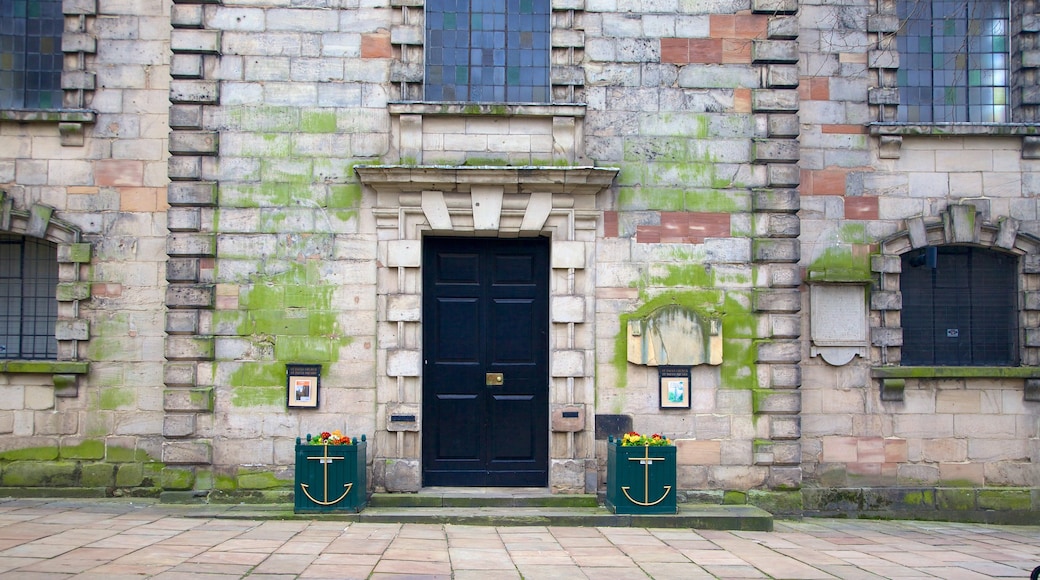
30 54
953 61
487 50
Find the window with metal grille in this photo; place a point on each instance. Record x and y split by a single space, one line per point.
487 50
954 60
960 307
28 303
30 54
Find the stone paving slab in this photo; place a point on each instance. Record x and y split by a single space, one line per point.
117 539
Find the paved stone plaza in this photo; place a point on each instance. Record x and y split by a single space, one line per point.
113 540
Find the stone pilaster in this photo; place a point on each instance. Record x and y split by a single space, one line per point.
190 245
775 246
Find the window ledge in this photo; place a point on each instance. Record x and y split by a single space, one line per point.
487 109
66 116
893 372
45 367
954 129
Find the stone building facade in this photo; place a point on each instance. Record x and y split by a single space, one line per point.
731 188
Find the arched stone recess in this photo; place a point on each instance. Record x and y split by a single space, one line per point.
960 224
73 287
558 203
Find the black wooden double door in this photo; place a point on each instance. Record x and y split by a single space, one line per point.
485 362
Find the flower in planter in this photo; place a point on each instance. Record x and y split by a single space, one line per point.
633 439
334 437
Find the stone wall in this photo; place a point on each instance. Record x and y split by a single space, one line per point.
95 416
866 192
245 189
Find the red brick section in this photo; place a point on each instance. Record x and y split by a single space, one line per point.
142 198
610 224
823 181
648 234
741 100
108 172
861 208
675 50
729 41
685 228
106 290
843 129
736 51
814 89
705 51
376 45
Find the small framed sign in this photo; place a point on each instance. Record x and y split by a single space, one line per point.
675 387
302 384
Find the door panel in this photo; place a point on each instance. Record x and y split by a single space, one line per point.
485 310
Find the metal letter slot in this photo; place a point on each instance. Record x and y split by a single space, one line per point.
494 379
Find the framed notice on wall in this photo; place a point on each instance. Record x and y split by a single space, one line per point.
302 386
675 387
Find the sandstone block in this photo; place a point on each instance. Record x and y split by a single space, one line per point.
179 425
778 200
189 348
567 363
566 309
184 244
187 452
774 51
199 399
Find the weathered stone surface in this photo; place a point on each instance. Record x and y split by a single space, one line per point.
199 399
401 475
190 296
187 452
179 425
775 250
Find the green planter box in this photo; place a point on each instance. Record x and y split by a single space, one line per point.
330 478
641 479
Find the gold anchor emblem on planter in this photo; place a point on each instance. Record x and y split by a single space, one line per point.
326 461
646 461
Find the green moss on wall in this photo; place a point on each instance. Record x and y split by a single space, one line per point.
90 449
260 480
113 398
30 454
694 289
291 314
657 198
716 200
258 396
39 474
177 478
318 122
347 195
844 257
116 454
258 373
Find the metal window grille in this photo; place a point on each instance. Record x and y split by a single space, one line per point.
487 50
30 54
960 307
954 58
28 303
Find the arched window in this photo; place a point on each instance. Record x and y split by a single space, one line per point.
960 307
28 303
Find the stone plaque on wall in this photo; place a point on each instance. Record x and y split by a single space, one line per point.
839 322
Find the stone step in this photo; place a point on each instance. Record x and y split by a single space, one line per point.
481 497
697 516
